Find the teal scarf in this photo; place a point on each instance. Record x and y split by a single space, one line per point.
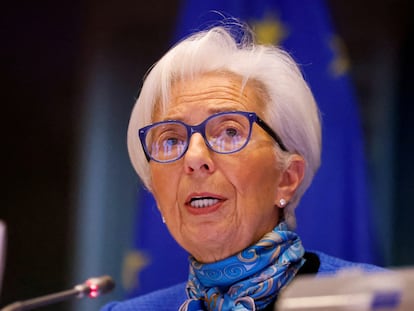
249 280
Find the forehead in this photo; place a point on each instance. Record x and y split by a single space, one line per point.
210 93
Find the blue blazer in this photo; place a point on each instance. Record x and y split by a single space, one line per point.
171 298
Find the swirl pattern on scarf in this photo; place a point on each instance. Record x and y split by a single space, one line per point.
249 280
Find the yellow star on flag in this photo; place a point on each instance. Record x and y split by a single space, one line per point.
134 262
340 64
269 30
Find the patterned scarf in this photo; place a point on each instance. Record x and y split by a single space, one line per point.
249 280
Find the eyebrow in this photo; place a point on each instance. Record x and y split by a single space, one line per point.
210 111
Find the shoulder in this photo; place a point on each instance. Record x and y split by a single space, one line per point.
331 265
167 299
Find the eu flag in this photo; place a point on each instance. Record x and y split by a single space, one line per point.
334 216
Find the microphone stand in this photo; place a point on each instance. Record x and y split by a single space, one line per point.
92 288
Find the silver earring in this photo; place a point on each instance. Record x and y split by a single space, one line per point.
163 220
282 202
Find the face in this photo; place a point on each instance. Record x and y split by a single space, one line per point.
237 192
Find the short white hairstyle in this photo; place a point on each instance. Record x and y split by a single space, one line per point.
290 108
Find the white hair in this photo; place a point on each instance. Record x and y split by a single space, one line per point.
290 108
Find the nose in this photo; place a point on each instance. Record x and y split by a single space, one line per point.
198 159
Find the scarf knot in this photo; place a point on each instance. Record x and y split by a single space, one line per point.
249 280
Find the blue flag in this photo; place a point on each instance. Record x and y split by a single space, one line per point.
334 215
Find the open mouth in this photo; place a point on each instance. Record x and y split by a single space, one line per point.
203 202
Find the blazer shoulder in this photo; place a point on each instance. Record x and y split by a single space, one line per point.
331 265
168 299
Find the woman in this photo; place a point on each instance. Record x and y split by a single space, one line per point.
226 135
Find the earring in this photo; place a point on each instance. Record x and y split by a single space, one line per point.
282 202
163 220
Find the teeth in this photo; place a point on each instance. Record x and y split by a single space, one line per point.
200 203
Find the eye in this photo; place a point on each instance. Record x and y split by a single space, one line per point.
231 132
171 141
171 138
169 135
228 129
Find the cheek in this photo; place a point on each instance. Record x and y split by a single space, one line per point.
254 178
256 190
164 185
256 184
260 194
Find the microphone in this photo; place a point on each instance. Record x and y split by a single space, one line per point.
93 288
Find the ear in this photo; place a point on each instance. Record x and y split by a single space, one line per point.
290 180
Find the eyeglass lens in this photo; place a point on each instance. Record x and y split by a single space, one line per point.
223 133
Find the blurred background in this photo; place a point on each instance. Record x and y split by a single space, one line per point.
71 71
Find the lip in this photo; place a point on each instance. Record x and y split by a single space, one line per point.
204 210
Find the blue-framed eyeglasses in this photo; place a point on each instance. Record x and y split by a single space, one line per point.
224 132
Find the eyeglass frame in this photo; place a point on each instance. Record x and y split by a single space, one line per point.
201 128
